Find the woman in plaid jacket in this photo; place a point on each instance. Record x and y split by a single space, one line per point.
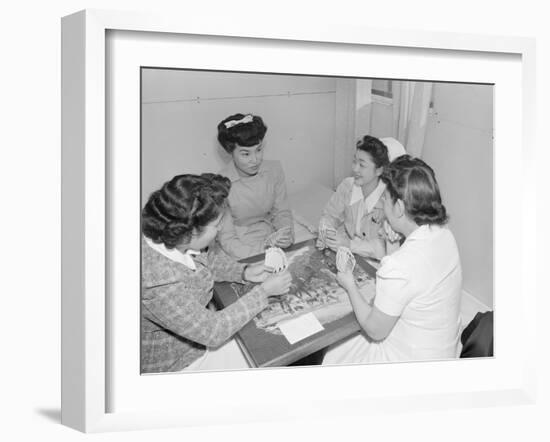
179 222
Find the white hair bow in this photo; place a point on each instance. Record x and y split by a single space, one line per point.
246 119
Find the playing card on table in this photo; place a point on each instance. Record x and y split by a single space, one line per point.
345 261
276 259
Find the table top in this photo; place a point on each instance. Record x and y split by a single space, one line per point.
267 347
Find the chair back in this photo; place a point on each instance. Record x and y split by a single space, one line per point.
477 337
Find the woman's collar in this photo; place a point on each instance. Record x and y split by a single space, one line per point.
185 258
421 232
372 199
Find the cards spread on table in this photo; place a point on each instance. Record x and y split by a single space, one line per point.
276 259
345 261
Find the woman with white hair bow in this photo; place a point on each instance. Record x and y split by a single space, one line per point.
260 214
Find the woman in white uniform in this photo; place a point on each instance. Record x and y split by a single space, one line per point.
415 313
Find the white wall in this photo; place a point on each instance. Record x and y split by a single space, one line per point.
382 115
179 130
459 146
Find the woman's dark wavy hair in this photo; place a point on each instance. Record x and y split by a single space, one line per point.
243 134
412 181
376 149
182 205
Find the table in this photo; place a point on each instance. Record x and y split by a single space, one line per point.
266 349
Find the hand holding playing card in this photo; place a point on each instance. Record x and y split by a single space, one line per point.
277 284
280 238
276 259
257 272
345 261
320 244
334 240
325 229
390 234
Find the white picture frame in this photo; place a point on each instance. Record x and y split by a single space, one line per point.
85 203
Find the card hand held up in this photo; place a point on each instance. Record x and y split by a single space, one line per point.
345 261
276 259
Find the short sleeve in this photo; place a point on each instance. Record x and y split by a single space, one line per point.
394 287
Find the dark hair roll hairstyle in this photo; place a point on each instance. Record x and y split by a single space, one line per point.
242 129
376 149
182 205
412 181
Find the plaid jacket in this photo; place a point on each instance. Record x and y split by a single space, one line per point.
176 325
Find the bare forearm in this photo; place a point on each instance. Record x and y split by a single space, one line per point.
361 308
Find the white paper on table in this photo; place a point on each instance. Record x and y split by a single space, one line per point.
299 328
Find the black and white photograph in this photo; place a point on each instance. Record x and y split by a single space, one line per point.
300 220
278 221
